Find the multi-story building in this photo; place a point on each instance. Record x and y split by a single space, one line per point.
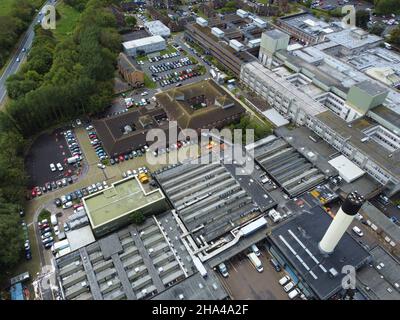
131 72
232 27
355 114
144 45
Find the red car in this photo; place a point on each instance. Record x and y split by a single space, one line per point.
76 206
121 158
179 144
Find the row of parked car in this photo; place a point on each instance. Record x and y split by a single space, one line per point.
129 155
49 186
27 243
66 201
174 146
96 143
73 146
47 233
134 172
170 65
164 56
177 77
289 287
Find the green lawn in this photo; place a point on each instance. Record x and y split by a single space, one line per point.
5 5
66 24
148 83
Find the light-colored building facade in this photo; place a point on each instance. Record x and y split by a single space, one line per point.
144 46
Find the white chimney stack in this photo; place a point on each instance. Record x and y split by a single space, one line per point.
341 222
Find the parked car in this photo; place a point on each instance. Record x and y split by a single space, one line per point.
59 167
357 231
52 167
223 270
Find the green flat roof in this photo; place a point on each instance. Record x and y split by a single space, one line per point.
123 197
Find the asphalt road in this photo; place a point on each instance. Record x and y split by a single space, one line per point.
14 65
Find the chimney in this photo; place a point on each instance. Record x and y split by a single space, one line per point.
341 222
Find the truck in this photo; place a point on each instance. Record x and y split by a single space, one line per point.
255 262
60 245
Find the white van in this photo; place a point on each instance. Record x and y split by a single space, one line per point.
288 286
255 250
53 220
293 294
256 262
284 280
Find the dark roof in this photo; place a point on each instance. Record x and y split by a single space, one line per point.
111 130
128 63
175 102
354 133
135 35
389 115
371 88
309 227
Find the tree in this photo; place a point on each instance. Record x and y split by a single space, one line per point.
387 7
138 217
11 238
362 19
395 36
377 29
130 21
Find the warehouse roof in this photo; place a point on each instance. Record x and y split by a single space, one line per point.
142 42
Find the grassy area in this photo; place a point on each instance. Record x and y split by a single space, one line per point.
6 5
66 24
170 49
148 83
44 214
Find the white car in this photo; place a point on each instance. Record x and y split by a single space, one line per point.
144 93
357 231
67 205
59 167
56 230
52 167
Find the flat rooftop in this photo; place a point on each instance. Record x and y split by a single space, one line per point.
387 114
353 38
297 240
308 23
380 276
354 134
120 199
142 42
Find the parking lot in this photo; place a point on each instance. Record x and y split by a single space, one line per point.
245 283
47 149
